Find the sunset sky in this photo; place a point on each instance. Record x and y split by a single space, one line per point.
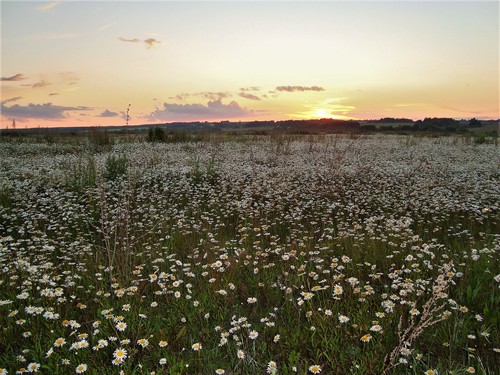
81 63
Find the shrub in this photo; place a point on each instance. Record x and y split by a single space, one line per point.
156 134
99 139
81 175
115 167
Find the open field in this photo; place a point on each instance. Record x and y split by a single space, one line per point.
250 255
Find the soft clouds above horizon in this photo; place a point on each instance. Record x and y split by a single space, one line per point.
46 111
299 88
198 112
184 61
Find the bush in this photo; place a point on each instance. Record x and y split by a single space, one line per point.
115 167
100 139
82 175
156 134
5 196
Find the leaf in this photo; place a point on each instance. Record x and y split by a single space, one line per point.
181 333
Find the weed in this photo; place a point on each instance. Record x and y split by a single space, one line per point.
115 166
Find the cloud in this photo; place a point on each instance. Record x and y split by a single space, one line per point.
252 88
249 96
209 95
17 77
181 97
39 111
299 88
102 28
135 40
53 93
195 111
108 113
151 42
42 83
48 6
11 99
213 95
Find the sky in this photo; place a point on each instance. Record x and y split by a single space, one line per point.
84 63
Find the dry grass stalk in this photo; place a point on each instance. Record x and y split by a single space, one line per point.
428 318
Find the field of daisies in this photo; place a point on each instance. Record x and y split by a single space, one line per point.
277 254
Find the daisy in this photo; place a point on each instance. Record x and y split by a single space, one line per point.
196 346
337 290
120 354
366 338
33 367
315 369
81 368
253 335
272 367
343 319
376 328
59 342
121 326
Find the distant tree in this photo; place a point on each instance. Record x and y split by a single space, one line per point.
474 123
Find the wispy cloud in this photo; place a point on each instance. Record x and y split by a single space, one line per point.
11 99
104 27
252 88
39 111
48 6
299 88
181 97
108 113
196 111
149 42
39 84
249 96
213 95
17 77
53 94
135 40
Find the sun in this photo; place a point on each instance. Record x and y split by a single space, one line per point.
321 113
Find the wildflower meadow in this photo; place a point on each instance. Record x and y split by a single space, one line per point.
246 254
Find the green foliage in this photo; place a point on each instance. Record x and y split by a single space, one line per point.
480 138
5 195
115 166
178 137
156 134
100 139
81 175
